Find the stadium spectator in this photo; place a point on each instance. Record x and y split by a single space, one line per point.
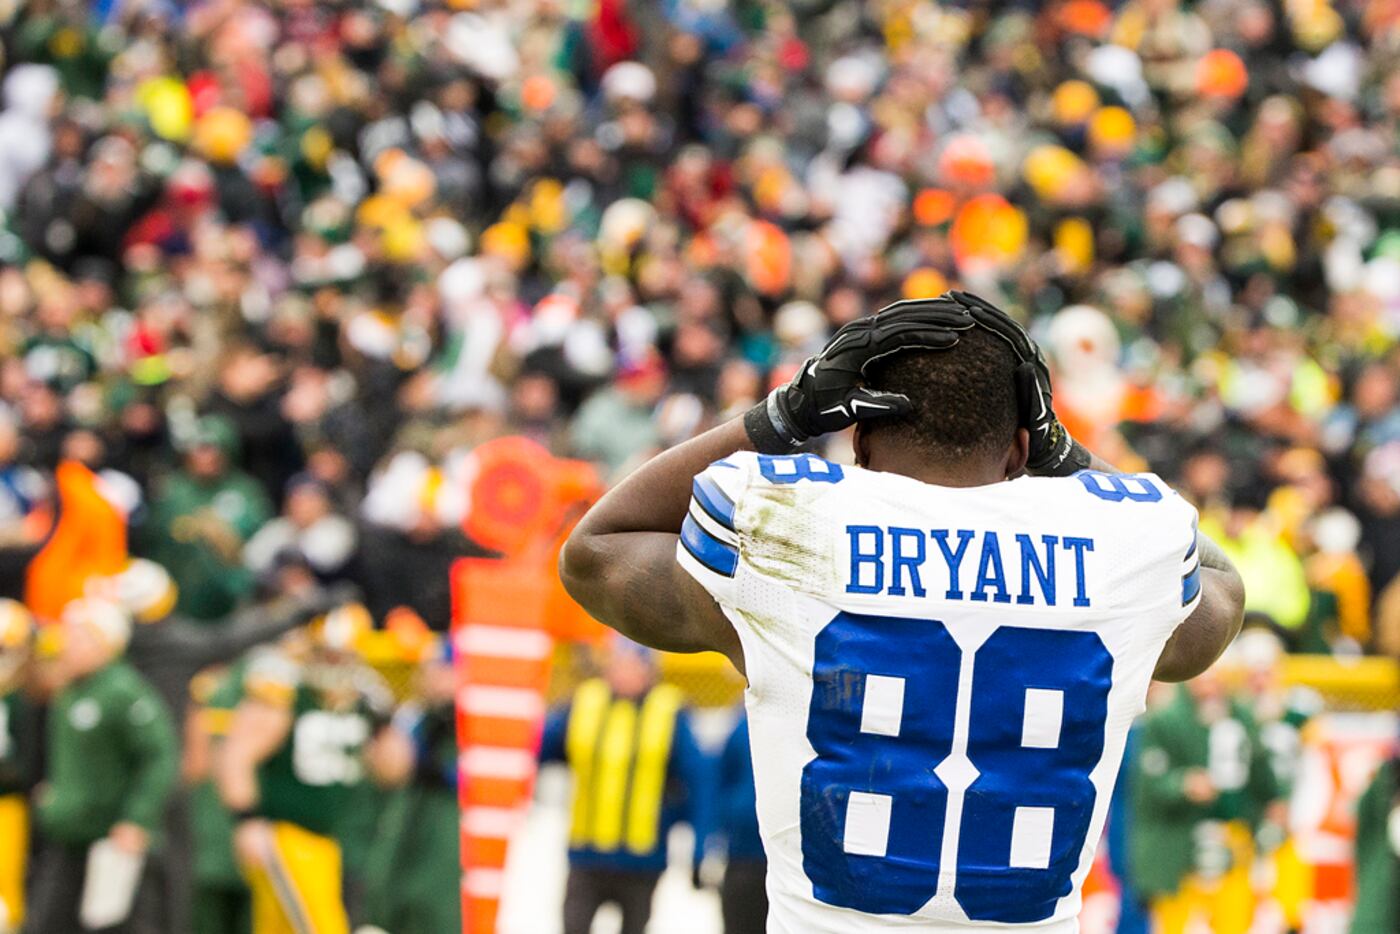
637 771
303 738
200 520
309 530
1201 786
105 720
497 219
1282 714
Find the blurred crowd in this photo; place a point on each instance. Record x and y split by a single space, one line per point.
292 260
271 271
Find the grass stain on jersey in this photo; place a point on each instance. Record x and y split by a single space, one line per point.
784 541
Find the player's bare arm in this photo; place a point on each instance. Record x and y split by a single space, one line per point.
1212 626
1215 622
620 564
258 729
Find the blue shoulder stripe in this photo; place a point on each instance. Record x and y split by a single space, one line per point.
1190 584
708 550
714 501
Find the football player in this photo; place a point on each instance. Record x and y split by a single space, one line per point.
942 665
302 740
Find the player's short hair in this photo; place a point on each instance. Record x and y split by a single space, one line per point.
964 398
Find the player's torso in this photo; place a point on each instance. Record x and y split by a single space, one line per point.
308 780
941 681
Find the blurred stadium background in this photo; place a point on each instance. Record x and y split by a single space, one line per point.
276 278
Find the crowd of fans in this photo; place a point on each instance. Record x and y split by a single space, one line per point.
320 250
271 270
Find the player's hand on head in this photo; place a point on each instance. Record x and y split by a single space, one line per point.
1052 451
828 393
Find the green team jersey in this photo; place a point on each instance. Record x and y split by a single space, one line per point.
1169 836
112 757
313 778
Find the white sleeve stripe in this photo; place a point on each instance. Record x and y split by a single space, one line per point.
728 536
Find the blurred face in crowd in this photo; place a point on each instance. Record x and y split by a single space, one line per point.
329 466
1205 475
697 345
112 173
94 294
739 384
58 311
42 407
206 461
84 650
1255 23
629 672
1209 690
140 420
307 504
844 306
534 398
248 375
1375 391
86 448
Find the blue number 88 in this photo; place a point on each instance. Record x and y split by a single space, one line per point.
881 721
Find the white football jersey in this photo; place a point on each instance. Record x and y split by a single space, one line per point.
941 679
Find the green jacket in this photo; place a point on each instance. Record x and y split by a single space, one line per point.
111 757
1173 741
211 583
1377 863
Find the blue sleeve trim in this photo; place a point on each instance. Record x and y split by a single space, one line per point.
1191 584
708 550
714 501
1195 536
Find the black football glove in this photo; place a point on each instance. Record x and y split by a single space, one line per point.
827 393
1053 452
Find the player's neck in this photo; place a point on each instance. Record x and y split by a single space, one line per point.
960 474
